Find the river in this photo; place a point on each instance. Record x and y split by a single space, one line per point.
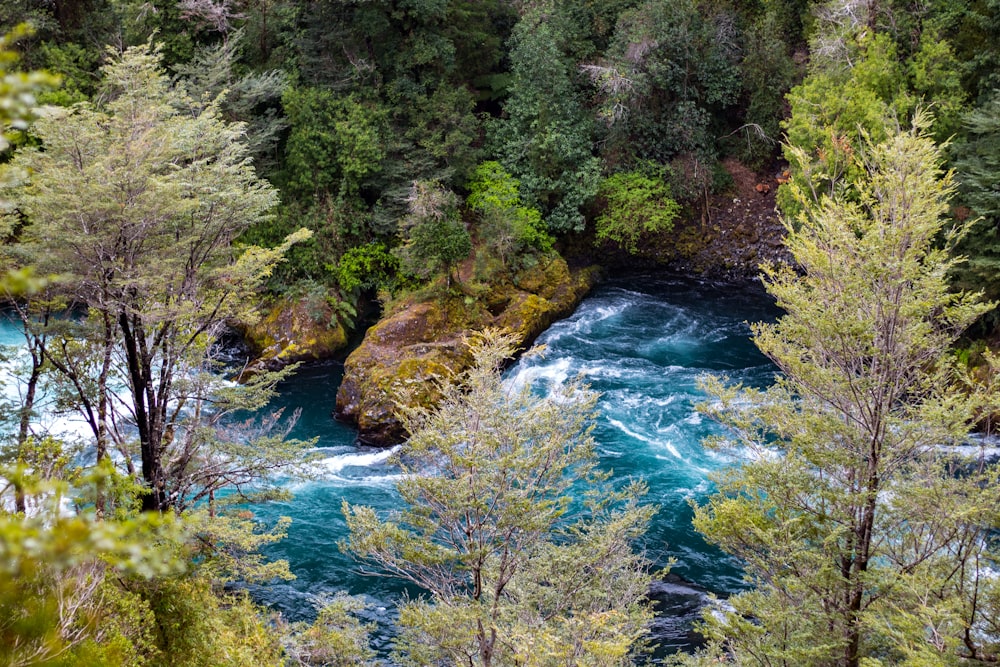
641 341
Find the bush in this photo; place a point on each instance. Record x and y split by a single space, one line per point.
636 203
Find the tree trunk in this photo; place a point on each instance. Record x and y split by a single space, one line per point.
155 498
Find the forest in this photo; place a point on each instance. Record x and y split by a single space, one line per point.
302 175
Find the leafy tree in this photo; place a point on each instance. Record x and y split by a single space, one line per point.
861 81
834 105
669 69
254 99
435 236
136 203
508 228
545 141
635 203
518 570
335 639
58 600
767 73
334 142
977 161
370 266
865 537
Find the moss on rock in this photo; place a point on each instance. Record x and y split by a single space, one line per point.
419 342
294 330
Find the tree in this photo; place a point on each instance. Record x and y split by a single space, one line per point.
507 227
435 236
670 67
545 141
335 639
978 165
862 80
864 535
334 142
136 203
518 570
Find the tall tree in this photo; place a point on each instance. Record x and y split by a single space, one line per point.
136 202
518 570
545 140
978 166
864 535
669 71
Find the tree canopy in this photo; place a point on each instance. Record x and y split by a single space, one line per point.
137 204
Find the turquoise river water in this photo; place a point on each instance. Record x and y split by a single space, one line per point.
642 342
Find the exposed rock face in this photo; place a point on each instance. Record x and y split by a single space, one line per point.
419 341
295 330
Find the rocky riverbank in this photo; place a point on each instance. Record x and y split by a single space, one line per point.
420 337
727 237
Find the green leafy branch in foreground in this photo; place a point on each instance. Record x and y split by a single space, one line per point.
517 570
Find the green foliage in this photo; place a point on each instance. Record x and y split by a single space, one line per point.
636 203
75 66
545 139
831 109
126 588
226 546
509 229
334 143
521 565
767 73
198 627
254 99
18 91
335 639
935 74
977 161
670 66
859 83
442 126
157 194
59 604
863 534
336 223
366 267
435 238
142 20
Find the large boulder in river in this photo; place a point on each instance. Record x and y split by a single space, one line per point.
419 342
295 329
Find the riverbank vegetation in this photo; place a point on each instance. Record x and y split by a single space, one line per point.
171 165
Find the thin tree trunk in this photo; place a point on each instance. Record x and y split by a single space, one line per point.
152 467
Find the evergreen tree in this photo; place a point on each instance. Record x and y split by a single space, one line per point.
545 141
434 236
136 204
518 571
865 537
978 165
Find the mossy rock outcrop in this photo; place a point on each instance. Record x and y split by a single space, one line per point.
293 330
420 342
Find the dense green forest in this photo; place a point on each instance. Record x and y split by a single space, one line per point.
172 167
